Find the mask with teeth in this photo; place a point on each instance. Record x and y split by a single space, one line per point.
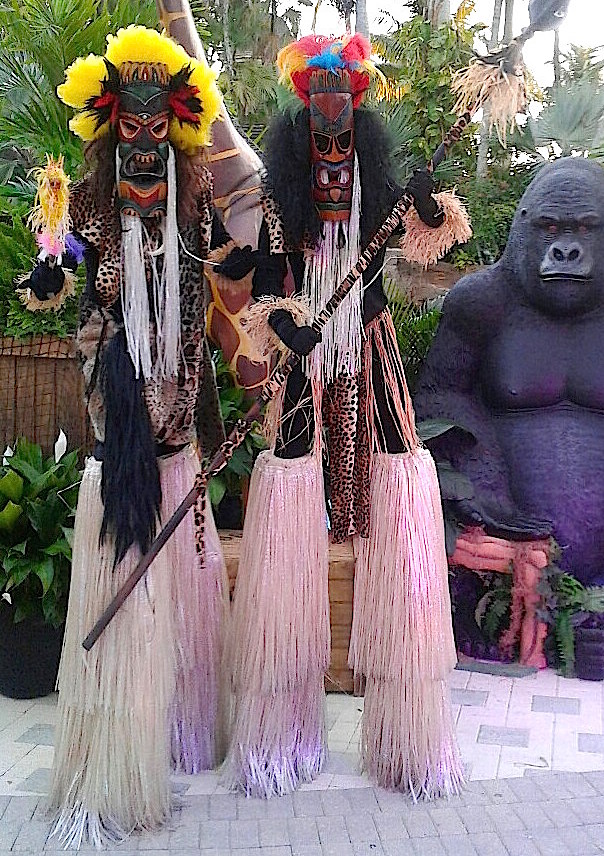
143 124
332 143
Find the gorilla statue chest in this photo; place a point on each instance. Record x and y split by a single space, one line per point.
534 363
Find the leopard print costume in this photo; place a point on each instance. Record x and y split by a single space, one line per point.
171 403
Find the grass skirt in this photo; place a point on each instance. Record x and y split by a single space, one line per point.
279 649
402 638
117 702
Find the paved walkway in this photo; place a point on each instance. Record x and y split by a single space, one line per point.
533 749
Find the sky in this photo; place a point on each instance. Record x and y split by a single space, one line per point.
584 25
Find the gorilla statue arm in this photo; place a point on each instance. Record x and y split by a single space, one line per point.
449 387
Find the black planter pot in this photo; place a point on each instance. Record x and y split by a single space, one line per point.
29 655
589 653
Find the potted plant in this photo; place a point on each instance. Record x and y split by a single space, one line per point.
37 509
576 615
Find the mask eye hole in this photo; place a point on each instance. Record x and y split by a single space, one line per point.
322 142
343 141
159 129
583 229
128 129
552 229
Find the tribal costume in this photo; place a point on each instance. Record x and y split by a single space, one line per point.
349 399
149 694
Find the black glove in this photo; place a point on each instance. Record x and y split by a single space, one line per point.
45 281
239 262
500 523
300 340
421 187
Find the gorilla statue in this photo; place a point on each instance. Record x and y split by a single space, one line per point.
518 361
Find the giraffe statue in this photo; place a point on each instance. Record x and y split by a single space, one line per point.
237 190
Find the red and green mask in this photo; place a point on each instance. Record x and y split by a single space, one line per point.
143 124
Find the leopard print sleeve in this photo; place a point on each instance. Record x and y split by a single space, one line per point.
95 328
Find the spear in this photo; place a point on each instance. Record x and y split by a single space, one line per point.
508 62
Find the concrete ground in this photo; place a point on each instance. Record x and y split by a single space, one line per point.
534 754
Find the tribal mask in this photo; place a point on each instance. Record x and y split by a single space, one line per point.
143 123
331 144
151 94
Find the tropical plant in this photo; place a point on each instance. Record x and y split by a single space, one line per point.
245 36
566 605
234 404
37 510
419 60
415 326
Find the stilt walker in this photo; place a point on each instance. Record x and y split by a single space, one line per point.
349 400
149 695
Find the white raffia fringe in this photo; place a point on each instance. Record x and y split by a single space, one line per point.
200 596
408 738
111 765
148 671
278 651
402 635
502 95
426 245
54 303
339 351
160 360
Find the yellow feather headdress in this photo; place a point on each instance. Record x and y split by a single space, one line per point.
92 87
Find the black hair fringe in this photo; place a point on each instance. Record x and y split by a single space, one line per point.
130 485
287 160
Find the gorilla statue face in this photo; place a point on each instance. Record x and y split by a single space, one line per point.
555 249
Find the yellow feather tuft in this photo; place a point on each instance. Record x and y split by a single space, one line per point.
140 44
85 76
83 125
83 80
49 218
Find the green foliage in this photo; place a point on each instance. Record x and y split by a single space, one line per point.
37 510
252 93
246 48
415 326
572 120
234 404
492 611
420 61
566 603
491 204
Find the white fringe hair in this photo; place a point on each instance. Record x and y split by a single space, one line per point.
339 351
279 649
166 289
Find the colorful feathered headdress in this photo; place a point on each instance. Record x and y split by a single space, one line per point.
343 55
92 86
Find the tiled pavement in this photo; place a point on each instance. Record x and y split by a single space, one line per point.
533 748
